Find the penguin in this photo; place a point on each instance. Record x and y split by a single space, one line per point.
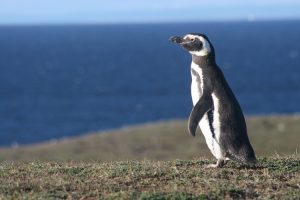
215 108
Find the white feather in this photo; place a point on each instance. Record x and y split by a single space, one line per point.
217 125
195 90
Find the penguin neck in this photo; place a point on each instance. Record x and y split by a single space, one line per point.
203 60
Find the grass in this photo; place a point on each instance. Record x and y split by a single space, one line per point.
159 141
272 178
154 161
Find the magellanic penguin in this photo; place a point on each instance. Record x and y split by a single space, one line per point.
216 109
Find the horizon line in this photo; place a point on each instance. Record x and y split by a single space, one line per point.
151 22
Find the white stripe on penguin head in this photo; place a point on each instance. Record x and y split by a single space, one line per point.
205 50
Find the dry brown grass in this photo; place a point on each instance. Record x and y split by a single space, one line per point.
159 141
128 164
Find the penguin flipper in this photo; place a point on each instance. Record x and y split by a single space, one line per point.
202 106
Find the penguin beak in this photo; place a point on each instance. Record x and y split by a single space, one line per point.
176 39
180 40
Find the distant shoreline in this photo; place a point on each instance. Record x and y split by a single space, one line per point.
151 23
163 140
120 129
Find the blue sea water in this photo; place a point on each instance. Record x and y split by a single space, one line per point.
59 81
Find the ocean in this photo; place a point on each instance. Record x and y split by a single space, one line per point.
62 81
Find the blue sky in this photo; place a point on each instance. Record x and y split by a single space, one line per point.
139 11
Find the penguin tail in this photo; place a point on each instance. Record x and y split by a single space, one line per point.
244 157
243 160
250 162
250 158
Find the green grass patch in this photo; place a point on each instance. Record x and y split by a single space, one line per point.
272 178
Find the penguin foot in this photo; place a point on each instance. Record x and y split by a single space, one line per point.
212 166
220 163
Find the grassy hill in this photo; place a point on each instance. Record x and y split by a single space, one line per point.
159 141
154 161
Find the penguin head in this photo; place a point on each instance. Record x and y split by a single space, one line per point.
196 44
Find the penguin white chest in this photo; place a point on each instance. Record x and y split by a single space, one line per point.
197 83
210 129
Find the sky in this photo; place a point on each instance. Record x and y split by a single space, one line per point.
139 11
